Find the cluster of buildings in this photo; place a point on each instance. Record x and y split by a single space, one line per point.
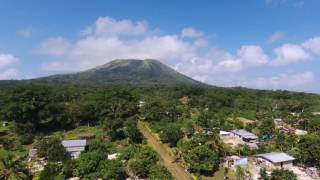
239 137
286 128
268 161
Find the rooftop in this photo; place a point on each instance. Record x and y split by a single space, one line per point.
276 157
74 143
245 134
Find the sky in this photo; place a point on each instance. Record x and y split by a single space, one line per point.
261 44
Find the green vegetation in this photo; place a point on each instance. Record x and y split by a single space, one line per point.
283 175
188 118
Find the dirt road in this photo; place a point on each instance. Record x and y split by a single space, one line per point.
177 171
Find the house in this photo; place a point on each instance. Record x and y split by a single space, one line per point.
245 135
113 156
300 132
312 172
275 160
224 134
234 161
32 154
316 113
141 103
5 123
278 122
74 147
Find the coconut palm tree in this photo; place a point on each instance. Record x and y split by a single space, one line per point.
10 169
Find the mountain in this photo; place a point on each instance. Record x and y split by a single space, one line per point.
126 71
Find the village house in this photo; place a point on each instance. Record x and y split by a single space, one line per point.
113 156
32 154
245 135
74 147
224 134
278 122
275 160
239 137
316 113
234 161
5 123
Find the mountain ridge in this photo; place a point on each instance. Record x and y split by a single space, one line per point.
120 72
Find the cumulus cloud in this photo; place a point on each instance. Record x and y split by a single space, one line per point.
56 46
298 81
313 45
8 67
7 60
290 53
190 32
276 36
188 52
107 26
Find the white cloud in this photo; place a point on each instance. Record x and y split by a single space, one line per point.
191 33
7 60
107 26
298 81
189 52
9 67
276 36
290 53
9 74
26 32
56 46
313 45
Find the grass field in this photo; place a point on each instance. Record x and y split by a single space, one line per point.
73 134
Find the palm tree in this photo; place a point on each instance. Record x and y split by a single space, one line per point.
10 169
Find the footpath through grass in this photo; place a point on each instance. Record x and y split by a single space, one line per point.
177 171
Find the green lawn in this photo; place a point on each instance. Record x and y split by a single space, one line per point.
74 133
219 175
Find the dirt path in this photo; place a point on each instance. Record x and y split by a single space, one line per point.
177 171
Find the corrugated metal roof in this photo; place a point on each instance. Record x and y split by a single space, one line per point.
276 157
245 134
74 143
75 149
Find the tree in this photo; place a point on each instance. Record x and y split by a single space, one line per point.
309 146
266 126
201 159
171 134
158 172
88 163
114 128
132 132
143 160
11 168
52 148
50 172
283 174
111 169
240 174
263 174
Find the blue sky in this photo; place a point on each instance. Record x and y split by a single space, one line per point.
265 44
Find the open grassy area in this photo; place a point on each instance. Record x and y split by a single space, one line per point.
74 133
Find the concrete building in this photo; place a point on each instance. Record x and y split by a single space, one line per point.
224 134
245 135
275 160
74 147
